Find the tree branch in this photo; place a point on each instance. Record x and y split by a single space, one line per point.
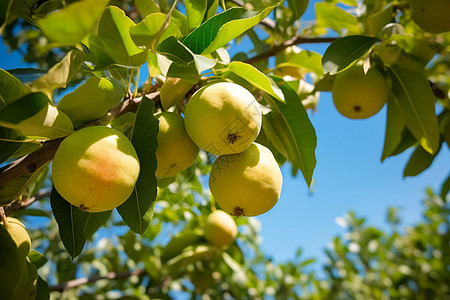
31 162
81 281
294 41
19 205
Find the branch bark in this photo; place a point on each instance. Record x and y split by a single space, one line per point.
31 162
294 41
19 205
81 281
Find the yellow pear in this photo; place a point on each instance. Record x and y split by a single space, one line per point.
223 118
246 184
176 151
26 290
431 15
95 169
14 247
220 229
173 91
357 95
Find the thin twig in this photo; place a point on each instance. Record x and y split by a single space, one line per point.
82 281
294 41
3 216
19 205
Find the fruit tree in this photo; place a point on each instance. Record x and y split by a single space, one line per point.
147 140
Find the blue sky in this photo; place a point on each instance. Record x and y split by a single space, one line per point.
348 176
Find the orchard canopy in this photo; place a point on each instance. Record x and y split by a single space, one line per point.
139 119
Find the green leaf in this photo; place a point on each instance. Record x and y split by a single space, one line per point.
71 223
191 255
419 161
71 24
33 115
330 15
296 131
297 7
445 188
346 51
97 53
137 211
11 88
4 10
395 124
61 73
416 102
92 100
22 185
94 221
309 60
114 34
222 28
178 243
145 32
43 290
256 78
37 258
195 10
8 148
146 7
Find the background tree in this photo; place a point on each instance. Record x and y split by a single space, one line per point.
92 52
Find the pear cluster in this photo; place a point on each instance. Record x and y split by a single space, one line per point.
18 276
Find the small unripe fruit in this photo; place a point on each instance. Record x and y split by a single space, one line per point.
176 151
357 95
220 229
246 184
223 118
95 168
20 236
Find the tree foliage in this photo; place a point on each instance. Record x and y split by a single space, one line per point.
90 56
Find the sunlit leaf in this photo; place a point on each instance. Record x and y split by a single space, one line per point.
11 88
71 24
416 102
222 28
92 100
331 16
114 34
144 33
256 78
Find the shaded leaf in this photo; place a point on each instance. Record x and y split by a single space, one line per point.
27 75
145 32
37 258
395 124
295 131
137 210
146 7
43 290
178 243
419 161
11 88
61 73
445 189
297 7
94 221
71 223
71 24
222 28
416 102
8 148
344 52
4 10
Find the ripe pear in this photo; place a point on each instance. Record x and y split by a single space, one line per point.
176 151
27 289
357 95
173 91
246 184
14 247
220 229
431 15
95 168
223 118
